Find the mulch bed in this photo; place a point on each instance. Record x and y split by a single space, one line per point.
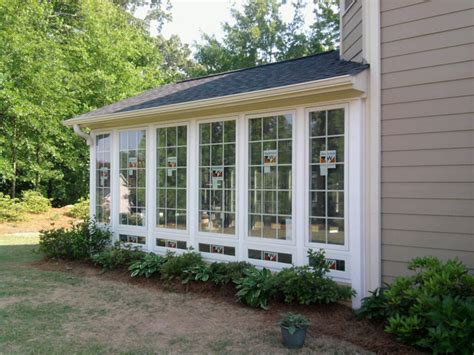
334 320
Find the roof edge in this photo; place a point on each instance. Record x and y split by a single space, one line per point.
329 84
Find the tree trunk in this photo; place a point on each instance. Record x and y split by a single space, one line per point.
38 162
14 158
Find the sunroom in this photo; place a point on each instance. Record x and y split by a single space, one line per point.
259 165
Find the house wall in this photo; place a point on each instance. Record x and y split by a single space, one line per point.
427 131
351 30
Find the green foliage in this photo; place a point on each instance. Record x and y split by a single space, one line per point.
259 35
225 273
197 273
35 202
256 287
176 266
119 255
80 209
80 242
375 306
59 59
11 210
309 284
293 321
303 285
432 309
149 265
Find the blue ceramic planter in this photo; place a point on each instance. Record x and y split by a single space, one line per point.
295 340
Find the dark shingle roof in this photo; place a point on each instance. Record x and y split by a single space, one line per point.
295 71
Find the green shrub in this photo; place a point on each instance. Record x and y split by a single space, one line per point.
177 265
309 284
11 210
304 285
80 209
256 287
149 265
197 273
432 309
225 273
119 255
35 202
77 243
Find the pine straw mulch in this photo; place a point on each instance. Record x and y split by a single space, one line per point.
336 320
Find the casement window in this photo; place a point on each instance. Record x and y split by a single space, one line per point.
217 177
270 177
102 173
326 180
171 172
132 178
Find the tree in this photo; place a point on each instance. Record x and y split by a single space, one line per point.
59 59
260 36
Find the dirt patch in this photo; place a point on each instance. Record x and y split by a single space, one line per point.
54 218
209 309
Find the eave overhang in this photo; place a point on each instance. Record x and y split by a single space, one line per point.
347 85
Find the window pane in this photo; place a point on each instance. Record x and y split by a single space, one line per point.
270 177
317 123
132 179
336 121
256 129
327 177
103 170
229 131
171 190
285 126
217 179
205 133
335 230
318 230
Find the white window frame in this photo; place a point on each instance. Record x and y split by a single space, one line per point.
307 184
124 228
260 241
216 238
169 233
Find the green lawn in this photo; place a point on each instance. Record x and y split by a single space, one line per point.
59 312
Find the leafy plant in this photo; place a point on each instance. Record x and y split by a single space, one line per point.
176 265
375 306
35 202
148 266
432 309
225 273
309 284
119 255
80 242
80 209
256 287
197 273
11 210
293 321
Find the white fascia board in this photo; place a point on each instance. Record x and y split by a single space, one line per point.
331 84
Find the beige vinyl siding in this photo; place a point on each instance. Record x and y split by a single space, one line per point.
427 64
351 32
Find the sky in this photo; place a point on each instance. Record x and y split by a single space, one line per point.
193 17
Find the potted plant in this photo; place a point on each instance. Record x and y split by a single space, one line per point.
293 330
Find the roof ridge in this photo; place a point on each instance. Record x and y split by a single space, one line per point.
254 67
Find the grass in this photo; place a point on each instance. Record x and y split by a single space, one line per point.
56 312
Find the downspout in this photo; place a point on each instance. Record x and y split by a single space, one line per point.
82 134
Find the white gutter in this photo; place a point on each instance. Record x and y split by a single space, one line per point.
331 84
80 133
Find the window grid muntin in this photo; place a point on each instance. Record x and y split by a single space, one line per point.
227 210
136 216
176 213
103 174
278 218
326 190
